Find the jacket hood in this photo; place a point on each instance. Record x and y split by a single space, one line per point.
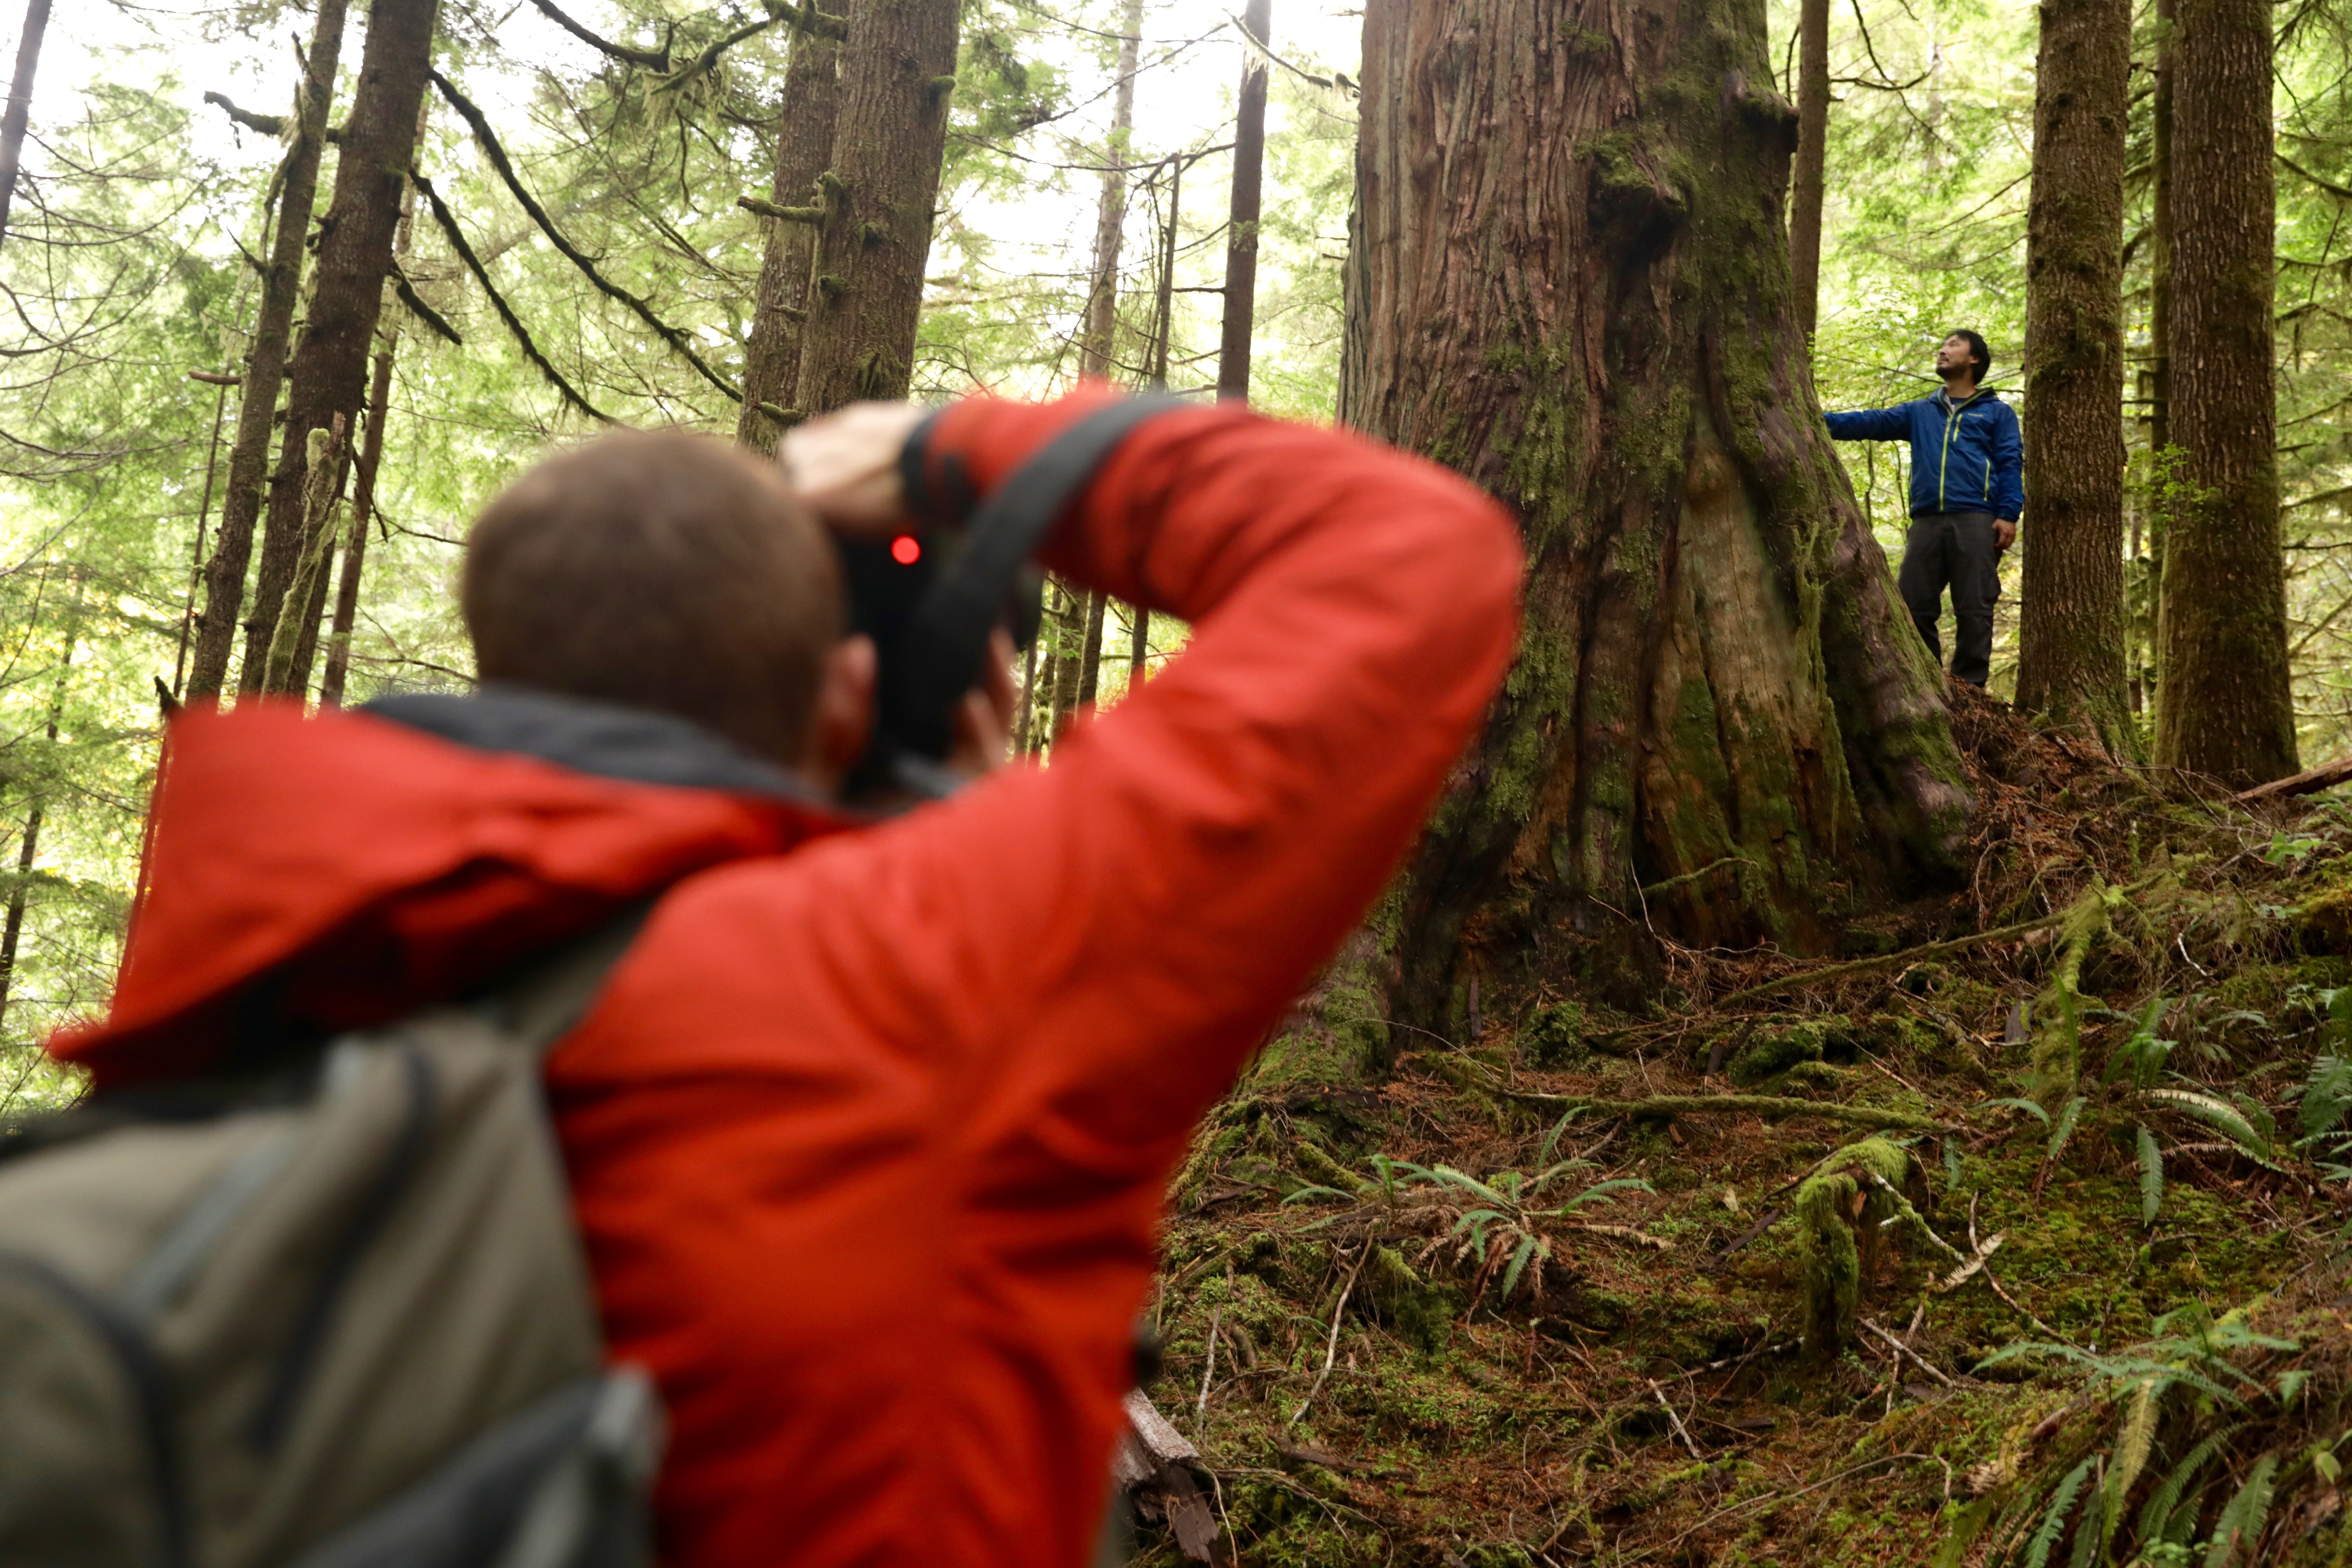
315 874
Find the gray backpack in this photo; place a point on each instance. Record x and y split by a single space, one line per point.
341 1320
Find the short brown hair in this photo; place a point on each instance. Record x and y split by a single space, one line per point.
663 570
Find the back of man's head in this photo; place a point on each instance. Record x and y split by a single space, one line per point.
658 570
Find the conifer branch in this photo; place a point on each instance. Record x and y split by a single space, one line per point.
497 154
650 58
442 216
419 309
787 214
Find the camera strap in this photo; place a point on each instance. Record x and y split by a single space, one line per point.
946 636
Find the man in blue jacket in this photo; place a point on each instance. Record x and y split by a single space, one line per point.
1968 489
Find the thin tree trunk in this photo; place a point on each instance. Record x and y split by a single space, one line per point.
2226 705
1163 311
1049 671
2156 502
329 373
1070 641
890 130
265 363
1806 181
1028 695
19 114
772 360
379 409
197 556
1721 727
2071 634
1139 646
1241 233
347 590
29 850
1090 651
1110 211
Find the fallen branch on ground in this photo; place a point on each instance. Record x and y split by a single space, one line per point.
1725 1105
2311 781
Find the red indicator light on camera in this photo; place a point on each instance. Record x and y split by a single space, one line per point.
906 550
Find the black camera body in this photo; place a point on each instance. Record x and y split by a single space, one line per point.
930 594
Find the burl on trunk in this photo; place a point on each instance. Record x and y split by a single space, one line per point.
1570 280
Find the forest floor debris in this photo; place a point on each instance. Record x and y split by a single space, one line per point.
2031 1223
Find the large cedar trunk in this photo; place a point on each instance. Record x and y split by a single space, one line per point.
2225 706
897 69
2070 638
771 362
265 363
329 369
1570 280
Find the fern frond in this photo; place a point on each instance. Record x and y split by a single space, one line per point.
2151 1178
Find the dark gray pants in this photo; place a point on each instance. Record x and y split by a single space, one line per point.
1953 549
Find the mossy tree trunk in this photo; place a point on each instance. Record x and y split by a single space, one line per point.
771 360
327 376
1569 279
265 361
2070 636
2225 706
890 127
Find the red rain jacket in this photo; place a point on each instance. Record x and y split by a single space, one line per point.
868 1132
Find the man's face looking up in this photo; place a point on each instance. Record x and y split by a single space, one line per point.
1956 361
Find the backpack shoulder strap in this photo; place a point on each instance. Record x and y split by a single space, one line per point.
538 1002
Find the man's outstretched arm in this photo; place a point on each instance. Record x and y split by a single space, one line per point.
1871 424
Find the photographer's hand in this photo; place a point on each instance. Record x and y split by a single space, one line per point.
845 466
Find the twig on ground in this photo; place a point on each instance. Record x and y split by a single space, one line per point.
1208 1370
1903 1350
1680 1431
1331 1346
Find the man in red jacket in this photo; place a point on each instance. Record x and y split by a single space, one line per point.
868 1131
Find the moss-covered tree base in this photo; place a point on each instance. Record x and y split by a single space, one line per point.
1569 279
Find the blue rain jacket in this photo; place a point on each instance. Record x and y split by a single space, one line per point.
1965 456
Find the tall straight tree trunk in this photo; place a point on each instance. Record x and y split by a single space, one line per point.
20 104
1090 649
371 464
1069 670
347 588
1241 231
29 848
2226 705
1110 210
897 69
2155 504
1047 711
2070 636
1807 182
1721 726
772 360
328 376
1139 646
265 363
